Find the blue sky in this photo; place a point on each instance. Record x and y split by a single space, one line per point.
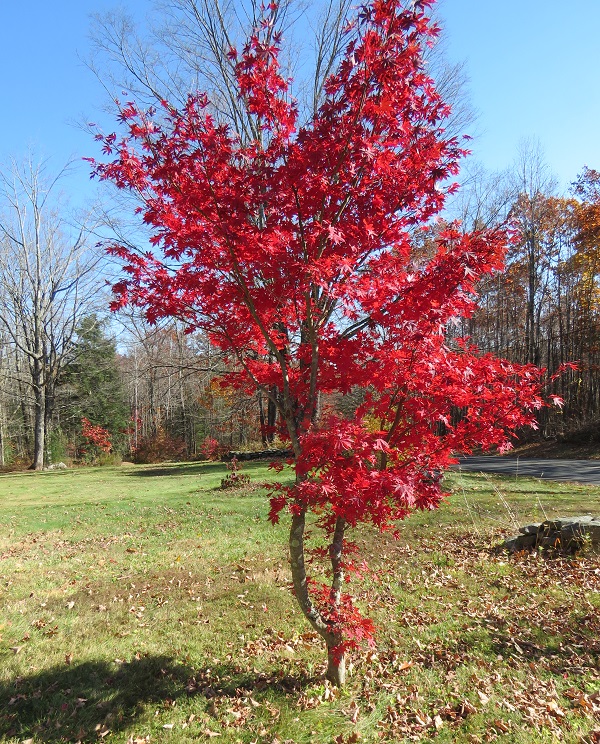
45 87
534 69
533 66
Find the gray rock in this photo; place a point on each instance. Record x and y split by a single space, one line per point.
56 466
566 521
528 541
550 540
564 533
592 531
530 529
571 535
512 543
550 524
520 542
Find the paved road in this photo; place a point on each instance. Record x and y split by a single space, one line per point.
581 471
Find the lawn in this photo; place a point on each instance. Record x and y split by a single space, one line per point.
143 603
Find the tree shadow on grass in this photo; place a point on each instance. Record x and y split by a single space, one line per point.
180 468
190 468
573 645
70 703
83 702
563 652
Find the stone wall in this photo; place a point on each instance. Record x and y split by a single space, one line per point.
268 454
563 533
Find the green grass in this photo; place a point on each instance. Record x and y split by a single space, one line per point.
144 602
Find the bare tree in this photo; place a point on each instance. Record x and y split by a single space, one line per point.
48 280
535 183
186 47
187 44
170 375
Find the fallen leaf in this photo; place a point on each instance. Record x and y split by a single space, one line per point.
553 707
483 697
467 708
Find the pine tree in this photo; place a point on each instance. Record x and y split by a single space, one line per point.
91 386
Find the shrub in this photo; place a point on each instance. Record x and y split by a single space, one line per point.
210 449
109 458
97 436
235 479
159 447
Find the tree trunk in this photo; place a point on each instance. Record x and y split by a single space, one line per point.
24 408
2 456
271 416
336 666
38 429
336 660
49 400
261 416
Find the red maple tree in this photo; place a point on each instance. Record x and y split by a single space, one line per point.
96 435
294 249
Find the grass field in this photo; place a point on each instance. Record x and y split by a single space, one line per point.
144 604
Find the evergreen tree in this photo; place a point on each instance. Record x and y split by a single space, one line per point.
92 387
